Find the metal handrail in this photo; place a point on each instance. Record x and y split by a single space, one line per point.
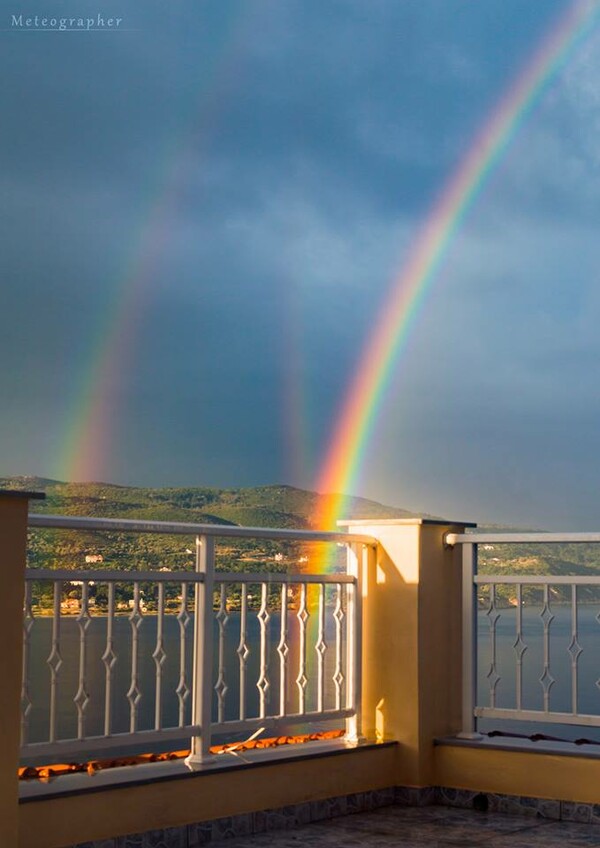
126 525
208 583
105 575
524 538
471 581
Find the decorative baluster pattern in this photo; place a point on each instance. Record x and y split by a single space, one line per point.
54 661
314 680
546 680
109 658
221 684
183 688
28 620
82 697
519 647
321 649
212 685
243 650
338 674
263 685
159 656
493 616
134 694
283 650
301 681
598 681
335 677
574 649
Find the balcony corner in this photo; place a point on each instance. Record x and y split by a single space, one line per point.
13 531
412 639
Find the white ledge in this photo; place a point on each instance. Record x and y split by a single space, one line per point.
523 746
112 778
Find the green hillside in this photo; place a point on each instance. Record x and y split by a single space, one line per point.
263 506
538 559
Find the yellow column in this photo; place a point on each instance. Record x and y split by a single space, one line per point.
411 672
13 551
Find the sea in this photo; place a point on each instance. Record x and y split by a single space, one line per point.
177 670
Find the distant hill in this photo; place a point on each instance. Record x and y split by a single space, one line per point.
261 506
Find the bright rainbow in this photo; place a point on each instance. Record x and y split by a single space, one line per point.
363 400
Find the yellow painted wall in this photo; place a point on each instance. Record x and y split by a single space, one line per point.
13 536
54 823
440 644
565 778
411 673
411 640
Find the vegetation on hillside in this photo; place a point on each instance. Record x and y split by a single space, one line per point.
262 506
538 559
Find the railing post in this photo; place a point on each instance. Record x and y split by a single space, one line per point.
411 640
354 653
469 642
203 652
13 542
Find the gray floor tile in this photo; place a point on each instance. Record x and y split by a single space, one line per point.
399 827
554 835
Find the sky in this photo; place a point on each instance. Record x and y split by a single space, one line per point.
204 210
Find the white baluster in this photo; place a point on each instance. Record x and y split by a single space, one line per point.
159 656
134 694
221 684
492 675
54 661
263 685
321 649
338 675
82 697
574 649
109 658
301 681
183 619
243 651
283 650
546 680
520 647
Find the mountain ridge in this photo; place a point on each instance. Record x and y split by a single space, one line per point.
275 505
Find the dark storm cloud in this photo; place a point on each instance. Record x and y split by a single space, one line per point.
267 165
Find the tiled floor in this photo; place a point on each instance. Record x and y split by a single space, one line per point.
406 827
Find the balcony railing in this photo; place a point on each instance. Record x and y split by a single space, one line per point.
382 645
250 651
530 641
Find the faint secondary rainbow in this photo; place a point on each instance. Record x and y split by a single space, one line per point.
89 436
97 396
363 400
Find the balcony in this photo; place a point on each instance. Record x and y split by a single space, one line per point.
244 644
405 656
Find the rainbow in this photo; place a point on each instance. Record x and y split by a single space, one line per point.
88 437
98 390
346 450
